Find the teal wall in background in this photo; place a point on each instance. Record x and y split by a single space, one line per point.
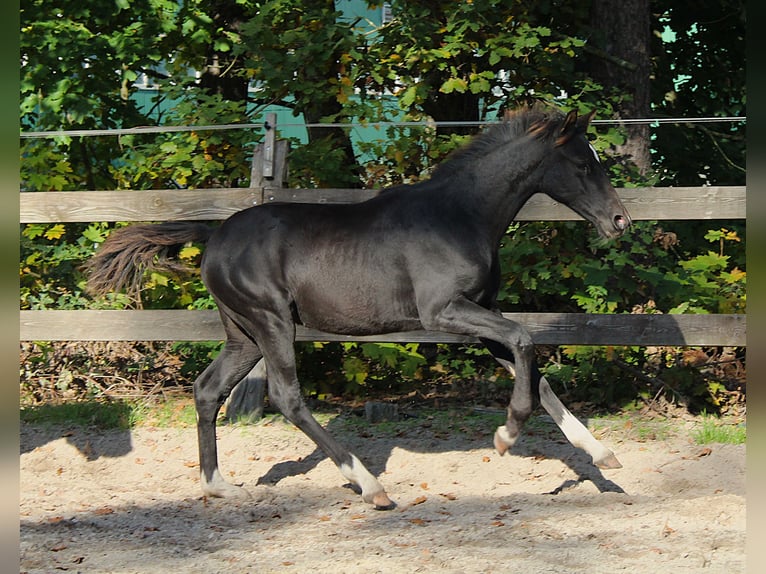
288 125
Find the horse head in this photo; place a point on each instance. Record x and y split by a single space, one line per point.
573 174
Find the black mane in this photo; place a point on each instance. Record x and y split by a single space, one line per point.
537 120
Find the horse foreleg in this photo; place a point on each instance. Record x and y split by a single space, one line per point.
506 435
210 391
576 432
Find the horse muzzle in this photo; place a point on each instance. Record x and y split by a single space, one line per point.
621 223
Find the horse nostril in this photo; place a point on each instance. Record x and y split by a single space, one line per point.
621 222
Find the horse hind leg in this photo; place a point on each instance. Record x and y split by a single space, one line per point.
285 394
238 356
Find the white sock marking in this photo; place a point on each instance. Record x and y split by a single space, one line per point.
572 428
359 475
220 488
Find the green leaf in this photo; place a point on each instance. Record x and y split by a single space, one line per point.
55 232
706 263
454 85
94 233
33 230
409 96
221 46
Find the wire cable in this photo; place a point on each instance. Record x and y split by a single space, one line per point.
262 125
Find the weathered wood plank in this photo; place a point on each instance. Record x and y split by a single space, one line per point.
215 204
546 328
128 205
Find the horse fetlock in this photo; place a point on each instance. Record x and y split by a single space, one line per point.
503 439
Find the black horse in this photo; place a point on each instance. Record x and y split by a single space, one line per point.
422 256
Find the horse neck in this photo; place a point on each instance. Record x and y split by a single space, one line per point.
499 184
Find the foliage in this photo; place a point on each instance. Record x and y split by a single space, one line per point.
463 61
708 38
549 266
460 60
301 54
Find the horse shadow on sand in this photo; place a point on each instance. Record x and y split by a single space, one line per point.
39 429
538 439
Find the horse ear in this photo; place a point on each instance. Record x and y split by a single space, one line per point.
569 122
585 120
574 125
568 128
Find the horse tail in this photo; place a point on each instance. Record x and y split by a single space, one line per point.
129 252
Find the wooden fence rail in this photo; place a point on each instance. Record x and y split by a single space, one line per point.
643 203
545 328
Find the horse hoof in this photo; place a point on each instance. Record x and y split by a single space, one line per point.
219 488
228 491
382 502
608 462
503 440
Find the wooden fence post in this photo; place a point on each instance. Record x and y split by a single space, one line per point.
269 169
246 401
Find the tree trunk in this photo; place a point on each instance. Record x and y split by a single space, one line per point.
620 60
221 75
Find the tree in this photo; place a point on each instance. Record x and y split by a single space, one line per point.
299 54
461 61
83 78
700 72
619 59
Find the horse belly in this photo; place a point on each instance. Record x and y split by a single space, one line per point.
339 303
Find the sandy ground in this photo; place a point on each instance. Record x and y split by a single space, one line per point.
130 502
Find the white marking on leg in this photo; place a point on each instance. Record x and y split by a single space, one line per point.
574 430
372 491
503 440
218 487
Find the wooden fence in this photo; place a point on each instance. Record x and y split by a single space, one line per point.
269 160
